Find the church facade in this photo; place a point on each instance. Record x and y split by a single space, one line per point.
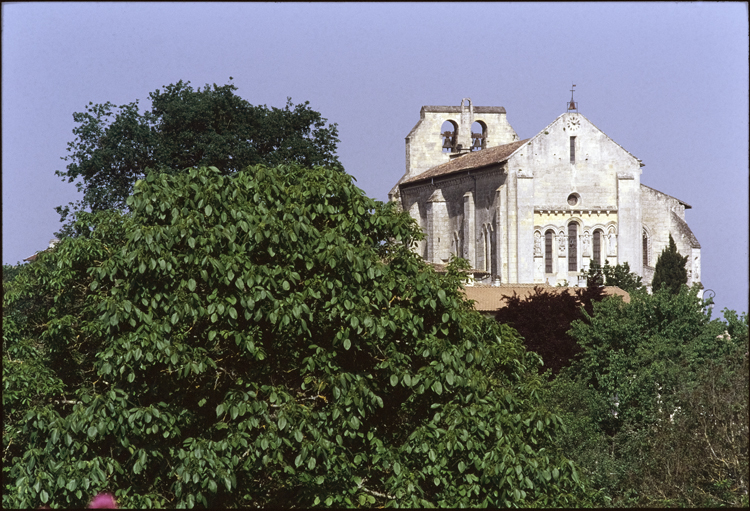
538 210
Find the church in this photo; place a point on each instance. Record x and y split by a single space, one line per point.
535 211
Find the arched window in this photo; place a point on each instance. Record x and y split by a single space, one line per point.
596 256
449 134
572 149
478 136
548 251
645 248
572 246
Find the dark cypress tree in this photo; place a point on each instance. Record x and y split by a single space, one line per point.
670 269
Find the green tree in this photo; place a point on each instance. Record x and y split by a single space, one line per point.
10 272
670 270
618 275
187 128
268 338
637 399
549 338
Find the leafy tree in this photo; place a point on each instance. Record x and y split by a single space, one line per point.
618 275
549 337
268 338
10 272
637 397
670 270
187 128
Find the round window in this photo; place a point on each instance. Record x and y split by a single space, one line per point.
573 199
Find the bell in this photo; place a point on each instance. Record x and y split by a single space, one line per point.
477 144
571 105
447 143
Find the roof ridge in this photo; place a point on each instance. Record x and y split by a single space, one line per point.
468 161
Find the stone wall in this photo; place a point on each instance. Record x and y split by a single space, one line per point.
596 187
496 216
424 144
664 215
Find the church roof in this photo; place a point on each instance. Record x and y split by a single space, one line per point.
684 230
474 160
492 298
687 206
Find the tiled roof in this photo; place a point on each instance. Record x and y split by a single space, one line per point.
473 160
492 298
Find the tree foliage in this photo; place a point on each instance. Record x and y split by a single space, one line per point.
267 338
618 275
644 401
187 128
670 270
549 337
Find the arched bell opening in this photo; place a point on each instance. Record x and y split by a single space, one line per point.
478 136
449 134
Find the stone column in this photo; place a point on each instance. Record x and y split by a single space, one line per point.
501 232
629 225
470 230
466 120
525 227
512 215
437 226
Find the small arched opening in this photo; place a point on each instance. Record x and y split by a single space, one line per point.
572 247
548 236
596 252
478 136
449 136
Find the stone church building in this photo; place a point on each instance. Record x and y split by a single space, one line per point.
538 210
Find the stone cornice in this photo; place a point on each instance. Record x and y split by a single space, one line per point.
455 176
442 181
567 210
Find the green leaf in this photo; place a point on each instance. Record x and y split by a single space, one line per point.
208 210
282 423
437 387
347 343
191 285
394 380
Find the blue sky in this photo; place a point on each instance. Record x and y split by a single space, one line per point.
667 81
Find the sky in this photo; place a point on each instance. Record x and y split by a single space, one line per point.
666 81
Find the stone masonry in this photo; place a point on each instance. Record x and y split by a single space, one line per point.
538 210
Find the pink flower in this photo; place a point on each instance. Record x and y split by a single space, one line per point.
103 501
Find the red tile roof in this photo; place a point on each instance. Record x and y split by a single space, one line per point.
492 298
474 160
